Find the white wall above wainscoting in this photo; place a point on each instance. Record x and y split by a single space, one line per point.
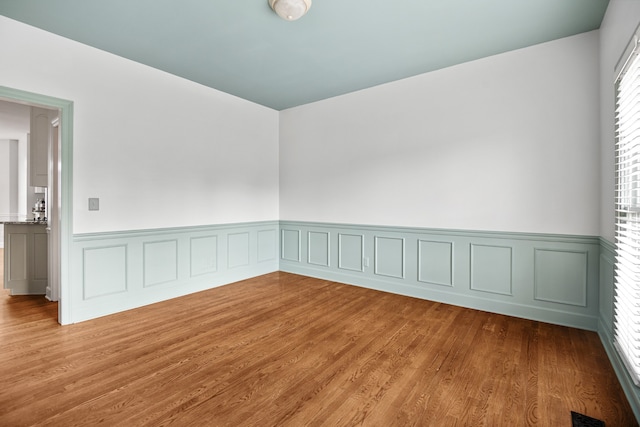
505 143
157 150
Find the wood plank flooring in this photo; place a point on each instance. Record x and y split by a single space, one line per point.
287 350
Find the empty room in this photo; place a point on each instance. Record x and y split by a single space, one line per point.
286 213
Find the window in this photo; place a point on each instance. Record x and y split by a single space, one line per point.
627 211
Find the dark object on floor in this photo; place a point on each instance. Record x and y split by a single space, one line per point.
579 420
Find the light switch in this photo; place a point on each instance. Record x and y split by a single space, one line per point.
94 204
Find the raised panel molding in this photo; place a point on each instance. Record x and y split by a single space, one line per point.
350 252
237 250
104 271
337 252
389 257
204 255
291 245
118 271
491 269
267 245
318 252
435 262
160 262
560 276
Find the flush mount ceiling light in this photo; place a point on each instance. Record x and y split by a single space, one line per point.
290 10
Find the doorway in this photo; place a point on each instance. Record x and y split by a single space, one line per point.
60 170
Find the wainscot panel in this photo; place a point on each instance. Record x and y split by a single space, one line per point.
435 262
160 262
491 269
389 257
351 252
561 276
104 271
119 271
318 248
550 278
291 245
238 250
204 255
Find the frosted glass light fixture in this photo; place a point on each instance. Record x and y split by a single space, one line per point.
290 10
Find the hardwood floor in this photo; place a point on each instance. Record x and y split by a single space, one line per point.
286 350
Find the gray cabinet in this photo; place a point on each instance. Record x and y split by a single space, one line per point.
25 258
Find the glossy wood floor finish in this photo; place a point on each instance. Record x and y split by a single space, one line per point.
286 350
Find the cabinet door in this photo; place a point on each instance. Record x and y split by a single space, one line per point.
39 147
16 256
39 276
25 255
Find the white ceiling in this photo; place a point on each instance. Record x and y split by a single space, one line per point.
241 47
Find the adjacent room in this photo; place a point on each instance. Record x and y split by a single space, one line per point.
279 212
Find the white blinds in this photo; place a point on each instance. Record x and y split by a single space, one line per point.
627 206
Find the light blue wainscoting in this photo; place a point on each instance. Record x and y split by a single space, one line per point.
118 271
550 278
605 324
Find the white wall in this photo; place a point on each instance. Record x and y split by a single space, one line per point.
8 182
505 143
619 23
14 124
9 176
158 150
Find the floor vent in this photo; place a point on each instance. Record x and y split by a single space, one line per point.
579 420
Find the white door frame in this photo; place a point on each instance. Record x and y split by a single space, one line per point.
53 212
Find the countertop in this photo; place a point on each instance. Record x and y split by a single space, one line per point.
31 222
